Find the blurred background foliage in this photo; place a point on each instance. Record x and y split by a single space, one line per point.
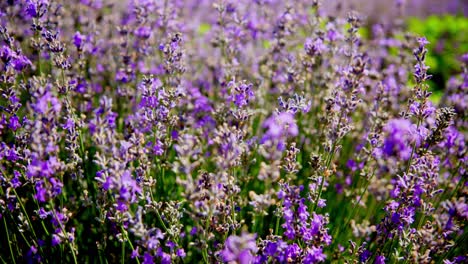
448 37
443 22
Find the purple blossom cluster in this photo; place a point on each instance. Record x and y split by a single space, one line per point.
222 131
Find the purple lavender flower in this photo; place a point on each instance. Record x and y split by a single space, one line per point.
6 54
279 126
241 249
315 47
300 225
56 240
180 253
78 40
20 62
148 258
399 138
422 42
242 93
314 255
144 123
14 123
380 259
143 32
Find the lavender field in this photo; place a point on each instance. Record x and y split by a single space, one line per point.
219 131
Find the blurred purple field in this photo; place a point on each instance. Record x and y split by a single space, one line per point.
384 10
265 131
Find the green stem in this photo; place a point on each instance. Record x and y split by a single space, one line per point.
65 234
330 158
13 219
124 233
204 255
21 233
29 220
460 183
442 195
160 218
205 249
8 240
392 245
277 225
123 253
458 241
3 261
233 213
353 211
163 180
25 213
24 210
38 208
408 166
39 66
15 241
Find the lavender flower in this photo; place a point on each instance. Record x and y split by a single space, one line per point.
399 140
241 93
240 249
280 126
226 131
